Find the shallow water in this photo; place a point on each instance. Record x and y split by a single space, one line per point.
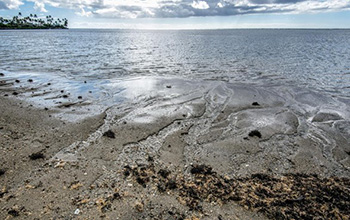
317 59
84 72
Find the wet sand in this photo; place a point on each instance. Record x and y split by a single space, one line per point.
175 149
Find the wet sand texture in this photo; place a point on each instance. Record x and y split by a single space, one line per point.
181 150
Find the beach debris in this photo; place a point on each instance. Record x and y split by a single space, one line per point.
49 84
76 186
201 169
1 74
116 195
255 133
80 97
103 205
13 212
109 134
37 156
168 86
62 91
77 212
3 191
30 80
17 81
84 81
65 96
255 104
83 201
292 196
139 206
6 95
46 109
15 93
126 170
60 164
28 186
164 173
2 172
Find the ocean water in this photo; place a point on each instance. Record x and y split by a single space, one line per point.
314 59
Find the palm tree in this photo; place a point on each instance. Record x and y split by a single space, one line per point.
65 22
32 21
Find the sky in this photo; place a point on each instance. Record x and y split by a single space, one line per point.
187 14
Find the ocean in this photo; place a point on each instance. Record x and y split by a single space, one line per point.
314 59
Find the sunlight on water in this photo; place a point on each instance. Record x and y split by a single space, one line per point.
317 59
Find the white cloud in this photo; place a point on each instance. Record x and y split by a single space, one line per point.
83 13
10 4
40 6
200 5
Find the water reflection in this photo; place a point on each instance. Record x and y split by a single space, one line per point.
314 58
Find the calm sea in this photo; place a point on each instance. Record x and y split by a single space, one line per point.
316 59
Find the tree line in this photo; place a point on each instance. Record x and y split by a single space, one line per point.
33 22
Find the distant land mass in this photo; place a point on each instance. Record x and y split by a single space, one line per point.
33 22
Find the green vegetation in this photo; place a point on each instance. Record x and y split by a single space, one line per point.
33 22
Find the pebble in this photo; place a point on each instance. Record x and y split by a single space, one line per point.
77 212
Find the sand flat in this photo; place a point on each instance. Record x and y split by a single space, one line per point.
181 149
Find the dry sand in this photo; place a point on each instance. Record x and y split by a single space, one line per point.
188 150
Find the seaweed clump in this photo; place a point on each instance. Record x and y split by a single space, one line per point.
255 133
37 156
109 134
292 196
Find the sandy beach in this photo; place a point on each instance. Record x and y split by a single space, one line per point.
178 149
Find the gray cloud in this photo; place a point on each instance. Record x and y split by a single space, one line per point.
276 1
184 8
3 5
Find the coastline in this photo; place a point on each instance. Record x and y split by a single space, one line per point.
177 153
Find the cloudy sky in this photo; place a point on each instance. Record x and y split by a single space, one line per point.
188 14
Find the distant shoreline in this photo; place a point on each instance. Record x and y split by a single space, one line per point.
32 28
32 22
